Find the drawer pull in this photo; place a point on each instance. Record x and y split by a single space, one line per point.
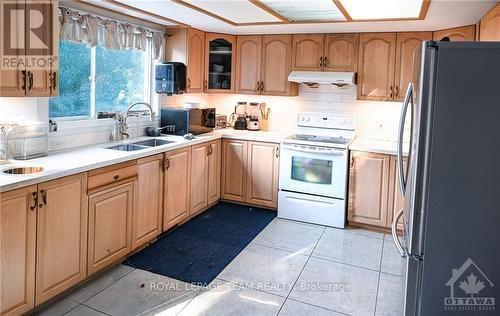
116 177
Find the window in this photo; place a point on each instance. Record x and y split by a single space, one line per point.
99 80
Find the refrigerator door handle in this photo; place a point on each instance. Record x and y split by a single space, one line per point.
395 235
404 111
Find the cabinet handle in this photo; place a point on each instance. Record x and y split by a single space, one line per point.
391 94
262 86
352 162
277 152
44 198
35 201
167 163
116 177
208 150
162 165
206 85
325 62
30 80
211 150
321 61
258 86
189 83
54 80
396 91
23 72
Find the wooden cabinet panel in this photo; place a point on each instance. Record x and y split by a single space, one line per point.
214 165
341 52
176 187
490 25
199 177
464 33
17 251
248 64
376 66
214 80
307 51
368 188
61 235
406 45
276 55
147 213
262 180
234 173
195 60
110 212
396 199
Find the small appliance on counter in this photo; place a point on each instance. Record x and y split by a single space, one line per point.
253 124
239 110
220 121
179 121
253 115
170 78
25 140
241 122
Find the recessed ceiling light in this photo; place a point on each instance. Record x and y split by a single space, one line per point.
310 10
383 9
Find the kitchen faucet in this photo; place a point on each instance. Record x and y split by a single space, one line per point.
139 113
122 128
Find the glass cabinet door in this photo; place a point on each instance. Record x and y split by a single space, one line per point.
220 63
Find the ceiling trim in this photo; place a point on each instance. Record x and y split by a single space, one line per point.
343 10
424 9
264 7
193 7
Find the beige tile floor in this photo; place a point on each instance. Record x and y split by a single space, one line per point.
290 268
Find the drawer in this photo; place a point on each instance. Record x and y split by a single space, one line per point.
108 175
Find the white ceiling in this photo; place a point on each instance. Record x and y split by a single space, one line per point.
441 14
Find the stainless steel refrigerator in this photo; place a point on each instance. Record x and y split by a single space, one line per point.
451 184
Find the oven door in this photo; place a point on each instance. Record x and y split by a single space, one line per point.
313 170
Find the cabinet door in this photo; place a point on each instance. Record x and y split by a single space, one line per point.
376 66
341 52
396 199
368 188
199 177
262 180
177 187
147 214
406 45
220 63
490 25
17 251
276 54
458 34
195 60
248 64
110 212
234 173
61 235
214 164
307 52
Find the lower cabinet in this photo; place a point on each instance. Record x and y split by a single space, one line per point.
374 197
214 170
205 175
147 213
250 172
176 192
110 212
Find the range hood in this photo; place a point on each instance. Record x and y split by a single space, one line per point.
314 78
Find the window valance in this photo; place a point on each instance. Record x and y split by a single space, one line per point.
93 30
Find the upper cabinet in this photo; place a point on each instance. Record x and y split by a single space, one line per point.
39 78
406 45
330 52
220 62
341 52
248 64
459 34
376 66
490 25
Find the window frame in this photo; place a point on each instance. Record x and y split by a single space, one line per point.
149 96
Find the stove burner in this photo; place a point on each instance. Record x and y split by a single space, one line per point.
322 139
304 136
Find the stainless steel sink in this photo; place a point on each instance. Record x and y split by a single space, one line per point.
154 142
23 170
127 147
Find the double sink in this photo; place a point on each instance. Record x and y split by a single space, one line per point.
142 145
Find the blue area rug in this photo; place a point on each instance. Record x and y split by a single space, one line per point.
199 250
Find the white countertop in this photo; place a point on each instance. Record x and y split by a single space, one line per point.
76 160
377 146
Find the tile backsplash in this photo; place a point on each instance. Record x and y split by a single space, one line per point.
374 119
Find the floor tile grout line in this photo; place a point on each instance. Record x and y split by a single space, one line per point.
347 264
287 250
302 270
325 308
378 280
79 304
170 301
190 301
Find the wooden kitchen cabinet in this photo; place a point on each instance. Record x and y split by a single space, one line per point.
248 64
262 179
396 199
177 184
234 173
148 212
308 52
459 34
406 45
341 52
368 188
220 63
490 25
62 220
199 177
110 213
376 64
214 171
17 250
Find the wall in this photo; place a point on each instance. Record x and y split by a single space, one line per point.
374 120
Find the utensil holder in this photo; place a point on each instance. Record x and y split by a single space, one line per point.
265 125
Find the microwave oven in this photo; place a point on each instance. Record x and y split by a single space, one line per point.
170 78
179 121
